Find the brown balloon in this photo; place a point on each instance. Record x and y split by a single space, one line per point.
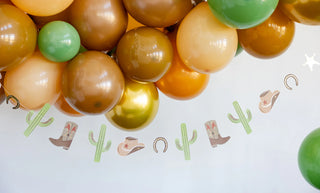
18 36
158 13
144 54
302 11
2 94
63 106
40 21
92 83
100 23
6 2
269 39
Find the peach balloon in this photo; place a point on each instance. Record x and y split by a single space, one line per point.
42 7
35 82
203 42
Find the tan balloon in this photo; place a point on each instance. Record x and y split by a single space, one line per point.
203 42
35 82
92 83
100 23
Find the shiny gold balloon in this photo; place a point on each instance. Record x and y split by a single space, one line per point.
144 54
100 23
137 108
203 42
18 36
302 11
92 83
35 82
158 13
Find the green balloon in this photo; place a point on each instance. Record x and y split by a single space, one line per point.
59 41
239 49
242 14
309 158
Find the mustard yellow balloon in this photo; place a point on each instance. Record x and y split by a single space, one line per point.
42 7
203 42
137 107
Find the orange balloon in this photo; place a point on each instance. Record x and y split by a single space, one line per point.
269 39
302 11
42 7
132 23
62 105
6 2
18 36
203 42
180 82
40 21
35 82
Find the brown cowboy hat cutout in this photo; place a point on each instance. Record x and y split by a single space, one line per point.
268 98
130 145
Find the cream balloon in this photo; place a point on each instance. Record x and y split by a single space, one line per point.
203 42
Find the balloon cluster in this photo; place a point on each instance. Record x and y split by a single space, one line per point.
91 57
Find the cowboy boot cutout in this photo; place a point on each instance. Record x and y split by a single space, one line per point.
67 136
268 99
214 135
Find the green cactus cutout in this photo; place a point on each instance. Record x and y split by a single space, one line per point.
185 142
37 120
242 119
99 145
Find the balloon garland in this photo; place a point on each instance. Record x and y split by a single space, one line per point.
59 48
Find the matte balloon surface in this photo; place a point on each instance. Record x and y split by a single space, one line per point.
242 14
35 82
144 54
100 23
62 105
309 158
40 21
18 36
59 41
137 108
302 11
269 39
180 82
203 42
158 13
92 83
42 7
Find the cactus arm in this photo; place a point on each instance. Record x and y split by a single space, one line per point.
28 117
194 137
35 122
232 119
107 146
249 115
91 139
46 123
179 147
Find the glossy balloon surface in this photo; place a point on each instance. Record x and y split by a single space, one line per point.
92 83
64 107
100 23
302 11
309 158
42 7
59 41
144 54
18 36
35 82
137 108
269 39
203 42
180 82
158 13
242 14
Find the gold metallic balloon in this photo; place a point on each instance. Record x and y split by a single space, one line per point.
92 83
302 11
158 13
100 23
137 108
18 36
203 42
35 82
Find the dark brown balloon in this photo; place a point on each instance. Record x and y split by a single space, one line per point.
144 54
92 83
158 13
100 23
